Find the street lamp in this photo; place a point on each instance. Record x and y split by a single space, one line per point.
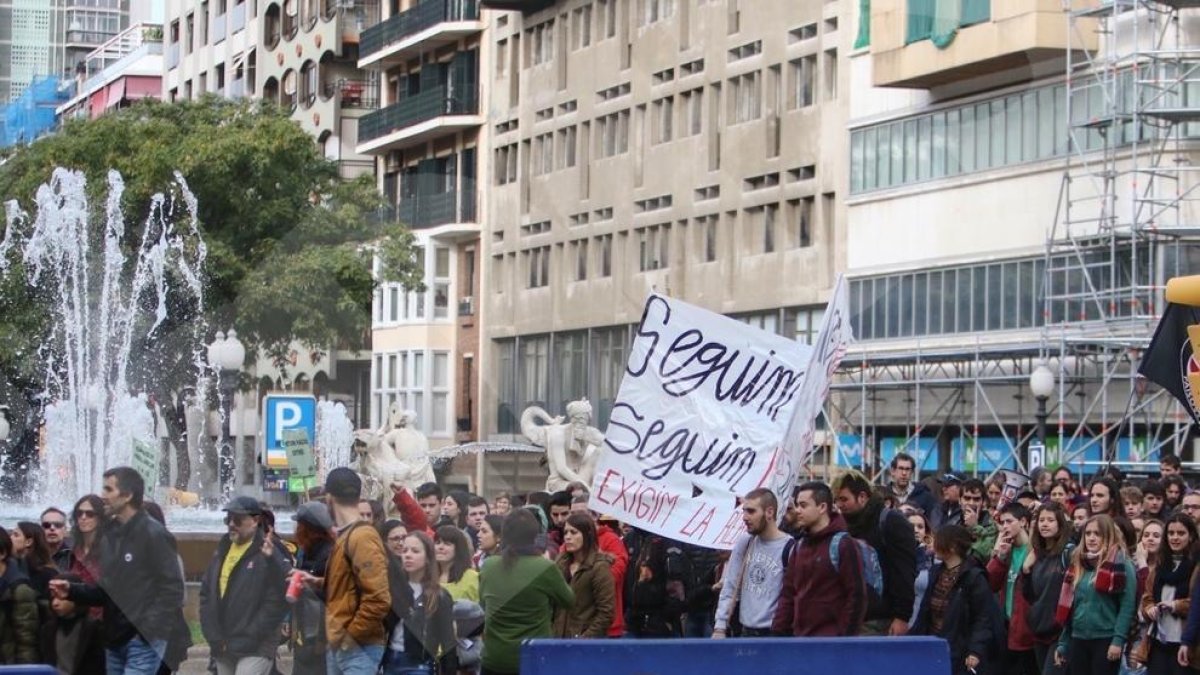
1041 383
226 354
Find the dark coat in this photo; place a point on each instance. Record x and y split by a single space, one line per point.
891 535
654 611
245 620
18 617
424 635
966 625
142 584
818 600
89 658
595 598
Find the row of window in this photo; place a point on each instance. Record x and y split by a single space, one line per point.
419 380
396 304
1007 130
762 231
1006 295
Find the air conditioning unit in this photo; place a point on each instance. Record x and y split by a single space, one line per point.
466 306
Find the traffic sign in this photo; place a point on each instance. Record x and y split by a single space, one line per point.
1037 455
283 412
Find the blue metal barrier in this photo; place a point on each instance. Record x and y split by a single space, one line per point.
28 670
766 656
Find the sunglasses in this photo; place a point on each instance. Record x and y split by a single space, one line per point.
236 518
85 514
47 525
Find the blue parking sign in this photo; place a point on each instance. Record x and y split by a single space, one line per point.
282 412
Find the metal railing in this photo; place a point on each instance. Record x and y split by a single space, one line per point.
351 93
438 208
427 105
412 21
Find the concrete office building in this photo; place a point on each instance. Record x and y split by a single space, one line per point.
428 138
698 149
24 45
1019 192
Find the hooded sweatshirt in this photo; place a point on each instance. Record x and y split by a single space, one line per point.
819 599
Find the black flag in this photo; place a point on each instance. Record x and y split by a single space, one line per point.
1170 361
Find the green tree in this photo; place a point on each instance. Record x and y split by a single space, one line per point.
289 244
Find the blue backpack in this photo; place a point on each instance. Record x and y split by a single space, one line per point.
871 571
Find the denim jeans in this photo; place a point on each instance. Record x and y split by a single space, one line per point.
136 657
361 660
398 663
698 625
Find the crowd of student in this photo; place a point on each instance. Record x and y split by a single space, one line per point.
1062 579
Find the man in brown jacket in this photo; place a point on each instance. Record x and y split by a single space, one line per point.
356 584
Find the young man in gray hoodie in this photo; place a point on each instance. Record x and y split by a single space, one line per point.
754 575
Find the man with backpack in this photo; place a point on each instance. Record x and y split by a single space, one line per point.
356 584
824 591
891 536
754 575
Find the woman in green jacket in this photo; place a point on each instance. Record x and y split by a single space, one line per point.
18 609
519 591
586 569
1101 585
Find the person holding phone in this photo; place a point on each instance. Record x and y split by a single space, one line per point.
1004 577
1166 600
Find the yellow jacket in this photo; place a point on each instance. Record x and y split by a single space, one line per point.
358 599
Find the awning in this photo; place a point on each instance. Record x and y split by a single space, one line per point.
116 93
139 87
96 102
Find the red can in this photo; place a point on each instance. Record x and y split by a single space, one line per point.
295 586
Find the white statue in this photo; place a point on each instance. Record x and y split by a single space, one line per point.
396 453
572 447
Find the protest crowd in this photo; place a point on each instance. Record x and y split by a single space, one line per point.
1062 577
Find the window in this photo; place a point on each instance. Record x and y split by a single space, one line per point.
803 81
605 255
607 11
693 112
656 10
830 76
938 20
567 140
664 114
501 58
506 164
800 222
581 259
708 237
441 283
537 262
612 134
439 414
540 43
581 28
653 248
746 102
543 154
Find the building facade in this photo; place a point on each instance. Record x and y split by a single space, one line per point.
25 37
123 70
1018 195
429 140
696 149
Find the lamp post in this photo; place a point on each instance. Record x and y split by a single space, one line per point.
226 354
1041 383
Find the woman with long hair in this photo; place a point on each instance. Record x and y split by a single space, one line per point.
958 605
421 624
1061 494
87 531
37 559
587 571
453 552
1149 546
1166 600
394 533
924 536
454 508
314 544
489 539
520 590
1097 601
1043 570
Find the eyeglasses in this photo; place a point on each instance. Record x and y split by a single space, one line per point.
235 519
85 514
48 525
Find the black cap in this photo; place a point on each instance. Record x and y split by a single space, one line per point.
248 506
343 484
951 479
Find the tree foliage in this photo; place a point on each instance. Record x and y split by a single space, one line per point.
289 244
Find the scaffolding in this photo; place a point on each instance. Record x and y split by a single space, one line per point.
1127 219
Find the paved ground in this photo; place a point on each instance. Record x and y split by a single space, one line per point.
197 663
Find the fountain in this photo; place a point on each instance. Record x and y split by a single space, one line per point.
335 435
106 295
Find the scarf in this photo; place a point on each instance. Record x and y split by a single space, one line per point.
1110 577
862 523
1175 571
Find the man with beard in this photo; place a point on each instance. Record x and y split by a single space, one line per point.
754 575
891 535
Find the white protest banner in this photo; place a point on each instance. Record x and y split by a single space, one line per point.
827 352
699 421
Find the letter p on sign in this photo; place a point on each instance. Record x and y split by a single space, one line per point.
287 415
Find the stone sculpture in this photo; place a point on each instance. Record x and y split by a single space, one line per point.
396 453
572 447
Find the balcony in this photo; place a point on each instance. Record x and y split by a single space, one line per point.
426 210
353 94
419 117
524 6
424 27
1013 41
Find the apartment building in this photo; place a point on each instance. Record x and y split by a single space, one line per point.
125 69
428 138
688 147
1019 190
